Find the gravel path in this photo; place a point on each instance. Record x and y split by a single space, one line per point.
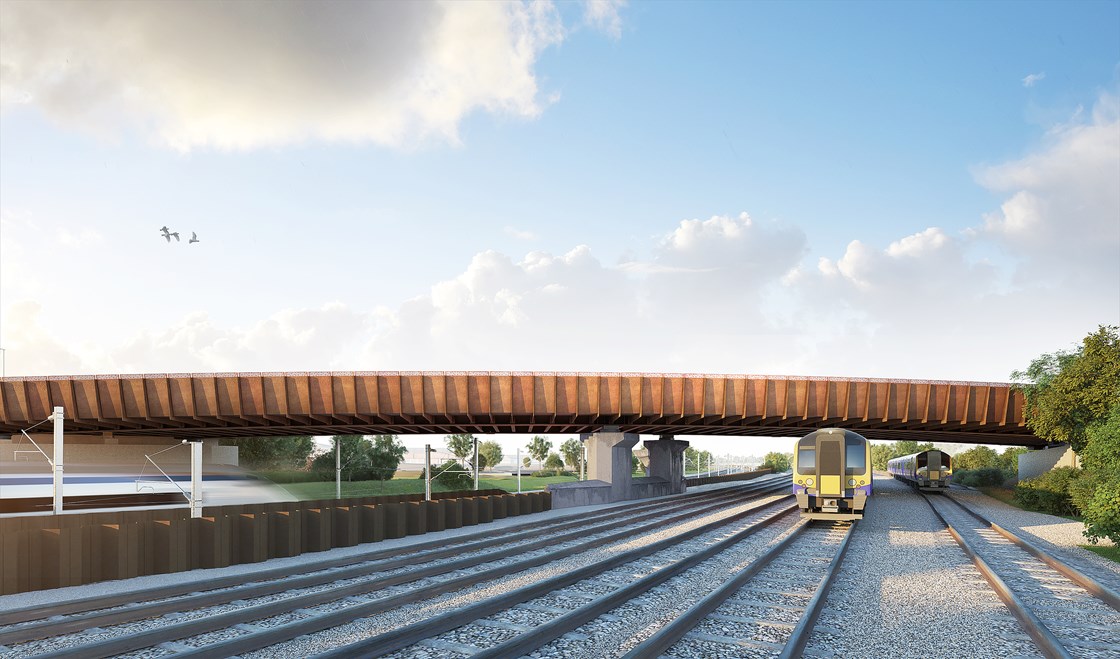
906 584
1056 535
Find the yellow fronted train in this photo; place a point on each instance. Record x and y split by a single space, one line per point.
832 474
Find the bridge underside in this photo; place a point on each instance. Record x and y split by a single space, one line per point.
197 406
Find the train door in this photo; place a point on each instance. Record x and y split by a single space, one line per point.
830 467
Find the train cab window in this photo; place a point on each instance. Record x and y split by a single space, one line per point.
806 459
855 456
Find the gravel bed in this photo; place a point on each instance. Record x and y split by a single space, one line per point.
1056 535
407 614
904 575
626 626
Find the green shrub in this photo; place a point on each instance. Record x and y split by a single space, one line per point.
1097 496
451 475
986 477
1050 492
548 473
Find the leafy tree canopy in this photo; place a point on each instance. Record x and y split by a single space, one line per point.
554 461
290 452
539 447
1066 392
354 453
461 445
385 455
489 454
977 457
572 450
778 462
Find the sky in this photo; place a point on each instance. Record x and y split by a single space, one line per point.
906 190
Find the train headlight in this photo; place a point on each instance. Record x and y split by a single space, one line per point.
809 482
851 482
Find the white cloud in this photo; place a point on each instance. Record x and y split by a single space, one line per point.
239 75
603 15
1062 213
1033 78
519 233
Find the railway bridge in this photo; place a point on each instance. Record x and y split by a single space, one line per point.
610 409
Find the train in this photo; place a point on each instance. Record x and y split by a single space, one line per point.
928 471
832 475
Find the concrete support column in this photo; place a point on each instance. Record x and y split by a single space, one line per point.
666 460
608 460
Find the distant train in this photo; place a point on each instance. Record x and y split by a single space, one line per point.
929 471
832 474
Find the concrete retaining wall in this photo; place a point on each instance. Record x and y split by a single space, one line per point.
1033 464
53 551
726 478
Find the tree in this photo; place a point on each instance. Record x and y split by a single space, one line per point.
451 476
1009 459
539 448
554 461
288 452
635 464
572 450
461 445
1075 397
1066 392
881 454
978 457
777 462
355 455
385 455
489 454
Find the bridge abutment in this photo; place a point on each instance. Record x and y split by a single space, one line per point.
666 461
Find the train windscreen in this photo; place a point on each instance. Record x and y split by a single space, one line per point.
855 457
806 459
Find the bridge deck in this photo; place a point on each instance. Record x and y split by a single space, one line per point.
251 404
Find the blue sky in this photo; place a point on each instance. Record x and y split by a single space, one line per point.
914 190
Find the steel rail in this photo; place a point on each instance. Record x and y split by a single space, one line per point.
1101 591
550 631
435 549
258 587
175 631
411 634
670 634
795 646
1045 639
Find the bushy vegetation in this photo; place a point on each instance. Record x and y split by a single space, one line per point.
452 475
1050 492
552 473
983 477
1074 397
778 462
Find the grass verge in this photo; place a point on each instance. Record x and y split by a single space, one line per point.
413 485
1111 552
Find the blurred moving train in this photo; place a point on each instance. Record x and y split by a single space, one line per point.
832 474
929 471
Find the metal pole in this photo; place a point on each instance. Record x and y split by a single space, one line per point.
476 463
519 470
196 480
337 468
58 450
427 472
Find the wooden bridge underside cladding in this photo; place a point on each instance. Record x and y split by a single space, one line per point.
192 406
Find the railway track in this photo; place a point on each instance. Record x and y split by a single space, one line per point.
254 612
1065 611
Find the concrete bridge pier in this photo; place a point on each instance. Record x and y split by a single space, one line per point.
666 461
608 460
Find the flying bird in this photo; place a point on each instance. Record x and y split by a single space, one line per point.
194 238
167 233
